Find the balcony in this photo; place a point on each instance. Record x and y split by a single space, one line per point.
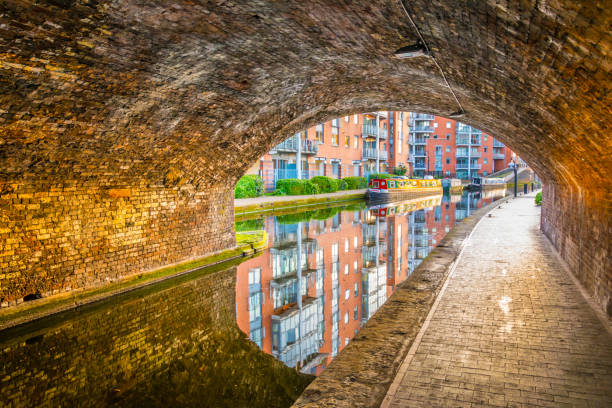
465 141
419 140
420 166
421 129
464 166
464 153
370 131
497 143
465 130
291 145
499 156
422 116
420 153
370 154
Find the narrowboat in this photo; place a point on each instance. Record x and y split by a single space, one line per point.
401 187
479 183
404 207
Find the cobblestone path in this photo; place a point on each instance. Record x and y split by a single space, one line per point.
511 328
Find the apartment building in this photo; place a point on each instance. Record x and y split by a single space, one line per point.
361 144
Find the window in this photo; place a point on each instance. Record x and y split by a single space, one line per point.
254 276
448 136
347 141
347 294
356 143
486 137
355 245
435 136
346 119
355 266
401 116
485 160
448 125
356 313
346 268
335 131
447 160
447 149
485 149
356 119
448 172
334 252
319 134
435 125
346 340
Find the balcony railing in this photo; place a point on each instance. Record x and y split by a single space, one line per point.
419 140
420 153
370 154
464 153
497 143
465 141
420 166
422 116
464 166
465 129
421 129
291 145
498 156
369 130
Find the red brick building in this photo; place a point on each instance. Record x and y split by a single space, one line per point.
347 146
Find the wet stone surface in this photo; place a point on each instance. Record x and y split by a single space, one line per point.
511 329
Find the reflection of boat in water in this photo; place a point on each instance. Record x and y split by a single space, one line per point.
406 206
401 188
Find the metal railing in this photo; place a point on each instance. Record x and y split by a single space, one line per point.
369 130
421 129
370 154
465 141
465 153
418 140
498 156
466 129
464 166
420 153
422 116
497 143
420 166
291 145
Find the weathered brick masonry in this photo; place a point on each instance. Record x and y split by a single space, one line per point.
163 97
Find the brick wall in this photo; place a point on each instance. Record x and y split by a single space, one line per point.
72 237
174 344
579 226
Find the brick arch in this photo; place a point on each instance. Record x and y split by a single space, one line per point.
124 124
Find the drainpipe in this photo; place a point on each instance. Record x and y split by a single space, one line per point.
377 142
299 156
469 157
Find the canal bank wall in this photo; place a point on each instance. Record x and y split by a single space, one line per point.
361 375
245 207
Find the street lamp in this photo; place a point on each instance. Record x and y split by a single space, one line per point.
515 176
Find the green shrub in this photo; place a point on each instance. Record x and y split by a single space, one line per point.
355 183
379 176
249 186
342 185
325 184
538 198
295 187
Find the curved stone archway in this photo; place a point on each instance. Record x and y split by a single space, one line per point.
124 124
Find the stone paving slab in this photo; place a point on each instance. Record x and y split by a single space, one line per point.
511 328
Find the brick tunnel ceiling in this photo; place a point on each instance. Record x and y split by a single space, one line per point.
112 92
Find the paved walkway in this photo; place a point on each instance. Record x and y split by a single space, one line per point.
243 202
511 329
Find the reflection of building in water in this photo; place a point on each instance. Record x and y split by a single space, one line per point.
308 294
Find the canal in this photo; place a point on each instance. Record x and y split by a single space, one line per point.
252 334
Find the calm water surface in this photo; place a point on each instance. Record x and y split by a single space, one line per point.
185 341
327 272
